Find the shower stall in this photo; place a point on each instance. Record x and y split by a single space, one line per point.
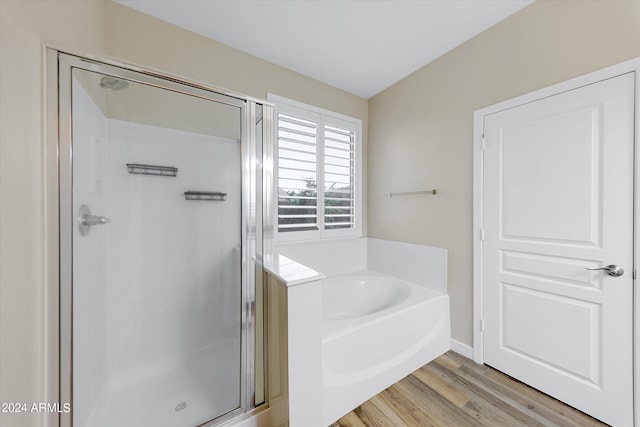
160 247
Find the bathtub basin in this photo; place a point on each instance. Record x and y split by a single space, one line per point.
376 329
347 297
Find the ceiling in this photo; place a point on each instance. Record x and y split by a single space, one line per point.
360 46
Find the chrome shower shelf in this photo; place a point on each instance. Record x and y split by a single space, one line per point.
140 169
205 195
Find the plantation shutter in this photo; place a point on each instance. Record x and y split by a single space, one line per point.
297 173
317 171
339 178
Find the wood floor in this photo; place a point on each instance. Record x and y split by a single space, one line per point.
454 391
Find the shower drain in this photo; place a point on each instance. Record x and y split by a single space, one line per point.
180 407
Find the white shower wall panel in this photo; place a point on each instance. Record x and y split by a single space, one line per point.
173 264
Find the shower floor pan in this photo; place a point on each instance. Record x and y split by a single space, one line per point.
188 395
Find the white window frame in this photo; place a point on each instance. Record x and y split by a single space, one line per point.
323 117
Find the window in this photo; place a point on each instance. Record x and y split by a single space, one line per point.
317 172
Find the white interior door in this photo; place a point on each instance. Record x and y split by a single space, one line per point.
558 200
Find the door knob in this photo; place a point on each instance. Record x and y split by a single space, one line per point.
612 270
86 220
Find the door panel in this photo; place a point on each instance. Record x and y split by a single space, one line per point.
558 198
570 347
536 204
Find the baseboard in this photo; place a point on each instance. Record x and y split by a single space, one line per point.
463 349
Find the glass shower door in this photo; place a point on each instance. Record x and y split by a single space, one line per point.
157 254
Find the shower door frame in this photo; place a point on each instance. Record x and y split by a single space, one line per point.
60 220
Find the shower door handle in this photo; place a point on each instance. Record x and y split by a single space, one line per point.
86 220
612 270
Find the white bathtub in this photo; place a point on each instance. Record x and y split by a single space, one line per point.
376 329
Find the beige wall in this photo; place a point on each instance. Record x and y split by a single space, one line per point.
24 26
420 129
95 27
